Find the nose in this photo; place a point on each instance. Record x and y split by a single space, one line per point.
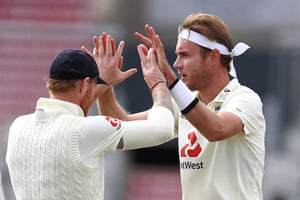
177 63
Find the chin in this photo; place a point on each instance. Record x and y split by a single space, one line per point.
189 86
184 80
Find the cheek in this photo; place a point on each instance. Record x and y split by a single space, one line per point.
192 66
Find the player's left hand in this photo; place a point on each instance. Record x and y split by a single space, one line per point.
153 41
109 59
150 68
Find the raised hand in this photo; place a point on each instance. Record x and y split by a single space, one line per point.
152 74
109 59
153 41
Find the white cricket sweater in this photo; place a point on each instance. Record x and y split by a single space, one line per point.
57 153
44 160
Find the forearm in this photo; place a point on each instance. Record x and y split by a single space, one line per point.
108 105
161 96
170 76
214 126
206 121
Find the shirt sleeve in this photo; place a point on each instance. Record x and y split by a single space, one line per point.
248 107
101 134
177 113
157 129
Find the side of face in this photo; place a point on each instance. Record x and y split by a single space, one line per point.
191 64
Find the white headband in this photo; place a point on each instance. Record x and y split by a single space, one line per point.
203 41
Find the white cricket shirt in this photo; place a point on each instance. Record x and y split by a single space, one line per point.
230 169
57 153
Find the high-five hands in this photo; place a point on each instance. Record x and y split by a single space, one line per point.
109 59
153 41
152 74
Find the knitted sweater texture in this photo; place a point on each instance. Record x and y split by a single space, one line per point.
44 160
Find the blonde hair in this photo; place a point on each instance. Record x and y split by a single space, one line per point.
56 85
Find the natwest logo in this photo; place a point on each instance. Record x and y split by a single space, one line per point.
192 148
113 122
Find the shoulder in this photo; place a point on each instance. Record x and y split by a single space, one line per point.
242 99
245 93
101 125
22 119
247 105
102 121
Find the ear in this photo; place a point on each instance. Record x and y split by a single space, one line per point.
215 56
84 85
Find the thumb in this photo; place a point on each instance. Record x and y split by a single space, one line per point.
124 75
151 55
130 72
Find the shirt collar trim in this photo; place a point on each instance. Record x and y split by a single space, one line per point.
226 90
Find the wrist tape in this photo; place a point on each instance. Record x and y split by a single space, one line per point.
182 95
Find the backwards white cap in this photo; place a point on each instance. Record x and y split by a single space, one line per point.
203 41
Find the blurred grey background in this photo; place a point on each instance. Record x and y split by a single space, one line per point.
33 31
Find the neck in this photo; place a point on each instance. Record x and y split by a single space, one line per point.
64 97
213 88
69 97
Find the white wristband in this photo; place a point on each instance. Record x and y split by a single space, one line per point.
184 98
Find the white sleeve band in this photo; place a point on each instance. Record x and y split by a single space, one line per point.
182 95
157 129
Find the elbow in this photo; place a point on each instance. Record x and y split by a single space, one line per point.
214 136
216 133
164 123
167 134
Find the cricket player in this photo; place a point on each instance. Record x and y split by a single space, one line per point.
219 122
57 152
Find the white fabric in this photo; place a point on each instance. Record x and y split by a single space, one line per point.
57 153
1 189
230 169
182 95
232 71
158 129
203 41
43 155
136 134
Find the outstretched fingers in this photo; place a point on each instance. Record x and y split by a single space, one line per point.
109 59
86 50
141 51
114 60
143 39
151 71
